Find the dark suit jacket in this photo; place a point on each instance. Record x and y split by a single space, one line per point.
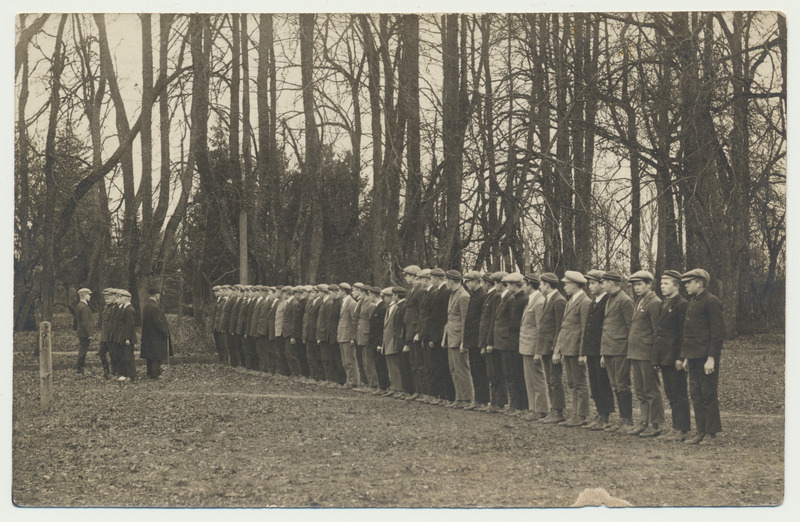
400 326
219 304
376 325
616 325
425 308
311 329
704 327
127 320
238 302
438 316
227 311
156 341
593 333
671 316
271 318
324 320
289 317
489 310
507 321
472 324
550 325
413 304
105 322
333 325
262 318
83 319
252 322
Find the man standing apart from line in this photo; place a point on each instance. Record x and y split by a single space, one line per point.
105 332
84 326
701 347
156 341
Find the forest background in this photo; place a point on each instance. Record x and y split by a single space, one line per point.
284 148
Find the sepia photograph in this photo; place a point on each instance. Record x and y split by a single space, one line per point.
509 255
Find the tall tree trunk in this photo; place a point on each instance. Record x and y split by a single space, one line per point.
414 220
51 190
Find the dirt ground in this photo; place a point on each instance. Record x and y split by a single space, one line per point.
208 435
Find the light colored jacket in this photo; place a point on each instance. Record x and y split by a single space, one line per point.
346 330
530 323
570 337
456 315
389 342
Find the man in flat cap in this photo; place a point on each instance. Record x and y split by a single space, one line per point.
156 340
323 334
84 326
389 348
614 346
127 338
533 373
439 376
216 318
225 322
366 306
261 328
234 334
291 316
453 341
358 293
547 334
109 309
477 363
422 338
701 347
310 317
641 353
346 337
333 333
600 386
416 355
495 292
666 349
505 341
376 327
569 346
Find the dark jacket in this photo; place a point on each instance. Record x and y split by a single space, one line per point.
472 324
127 325
438 315
550 325
83 320
156 341
704 327
486 330
425 308
105 322
400 325
324 320
290 316
227 310
671 316
507 321
333 325
310 333
376 325
594 327
413 303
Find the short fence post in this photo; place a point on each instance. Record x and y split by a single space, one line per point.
45 366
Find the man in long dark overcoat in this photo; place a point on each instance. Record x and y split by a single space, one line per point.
156 341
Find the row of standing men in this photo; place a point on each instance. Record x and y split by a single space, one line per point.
496 342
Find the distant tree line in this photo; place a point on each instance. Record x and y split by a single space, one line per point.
302 148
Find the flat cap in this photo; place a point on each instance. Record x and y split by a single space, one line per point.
360 286
399 290
375 290
514 277
612 275
572 276
498 276
532 277
454 275
238 286
123 293
333 288
550 277
216 287
487 277
696 273
154 289
299 289
84 291
411 270
108 291
322 287
472 275
595 275
437 272
387 291
345 286
641 275
308 288
672 274
425 273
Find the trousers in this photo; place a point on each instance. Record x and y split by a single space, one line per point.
460 374
555 386
703 389
648 392
600 386
576 381
535 384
